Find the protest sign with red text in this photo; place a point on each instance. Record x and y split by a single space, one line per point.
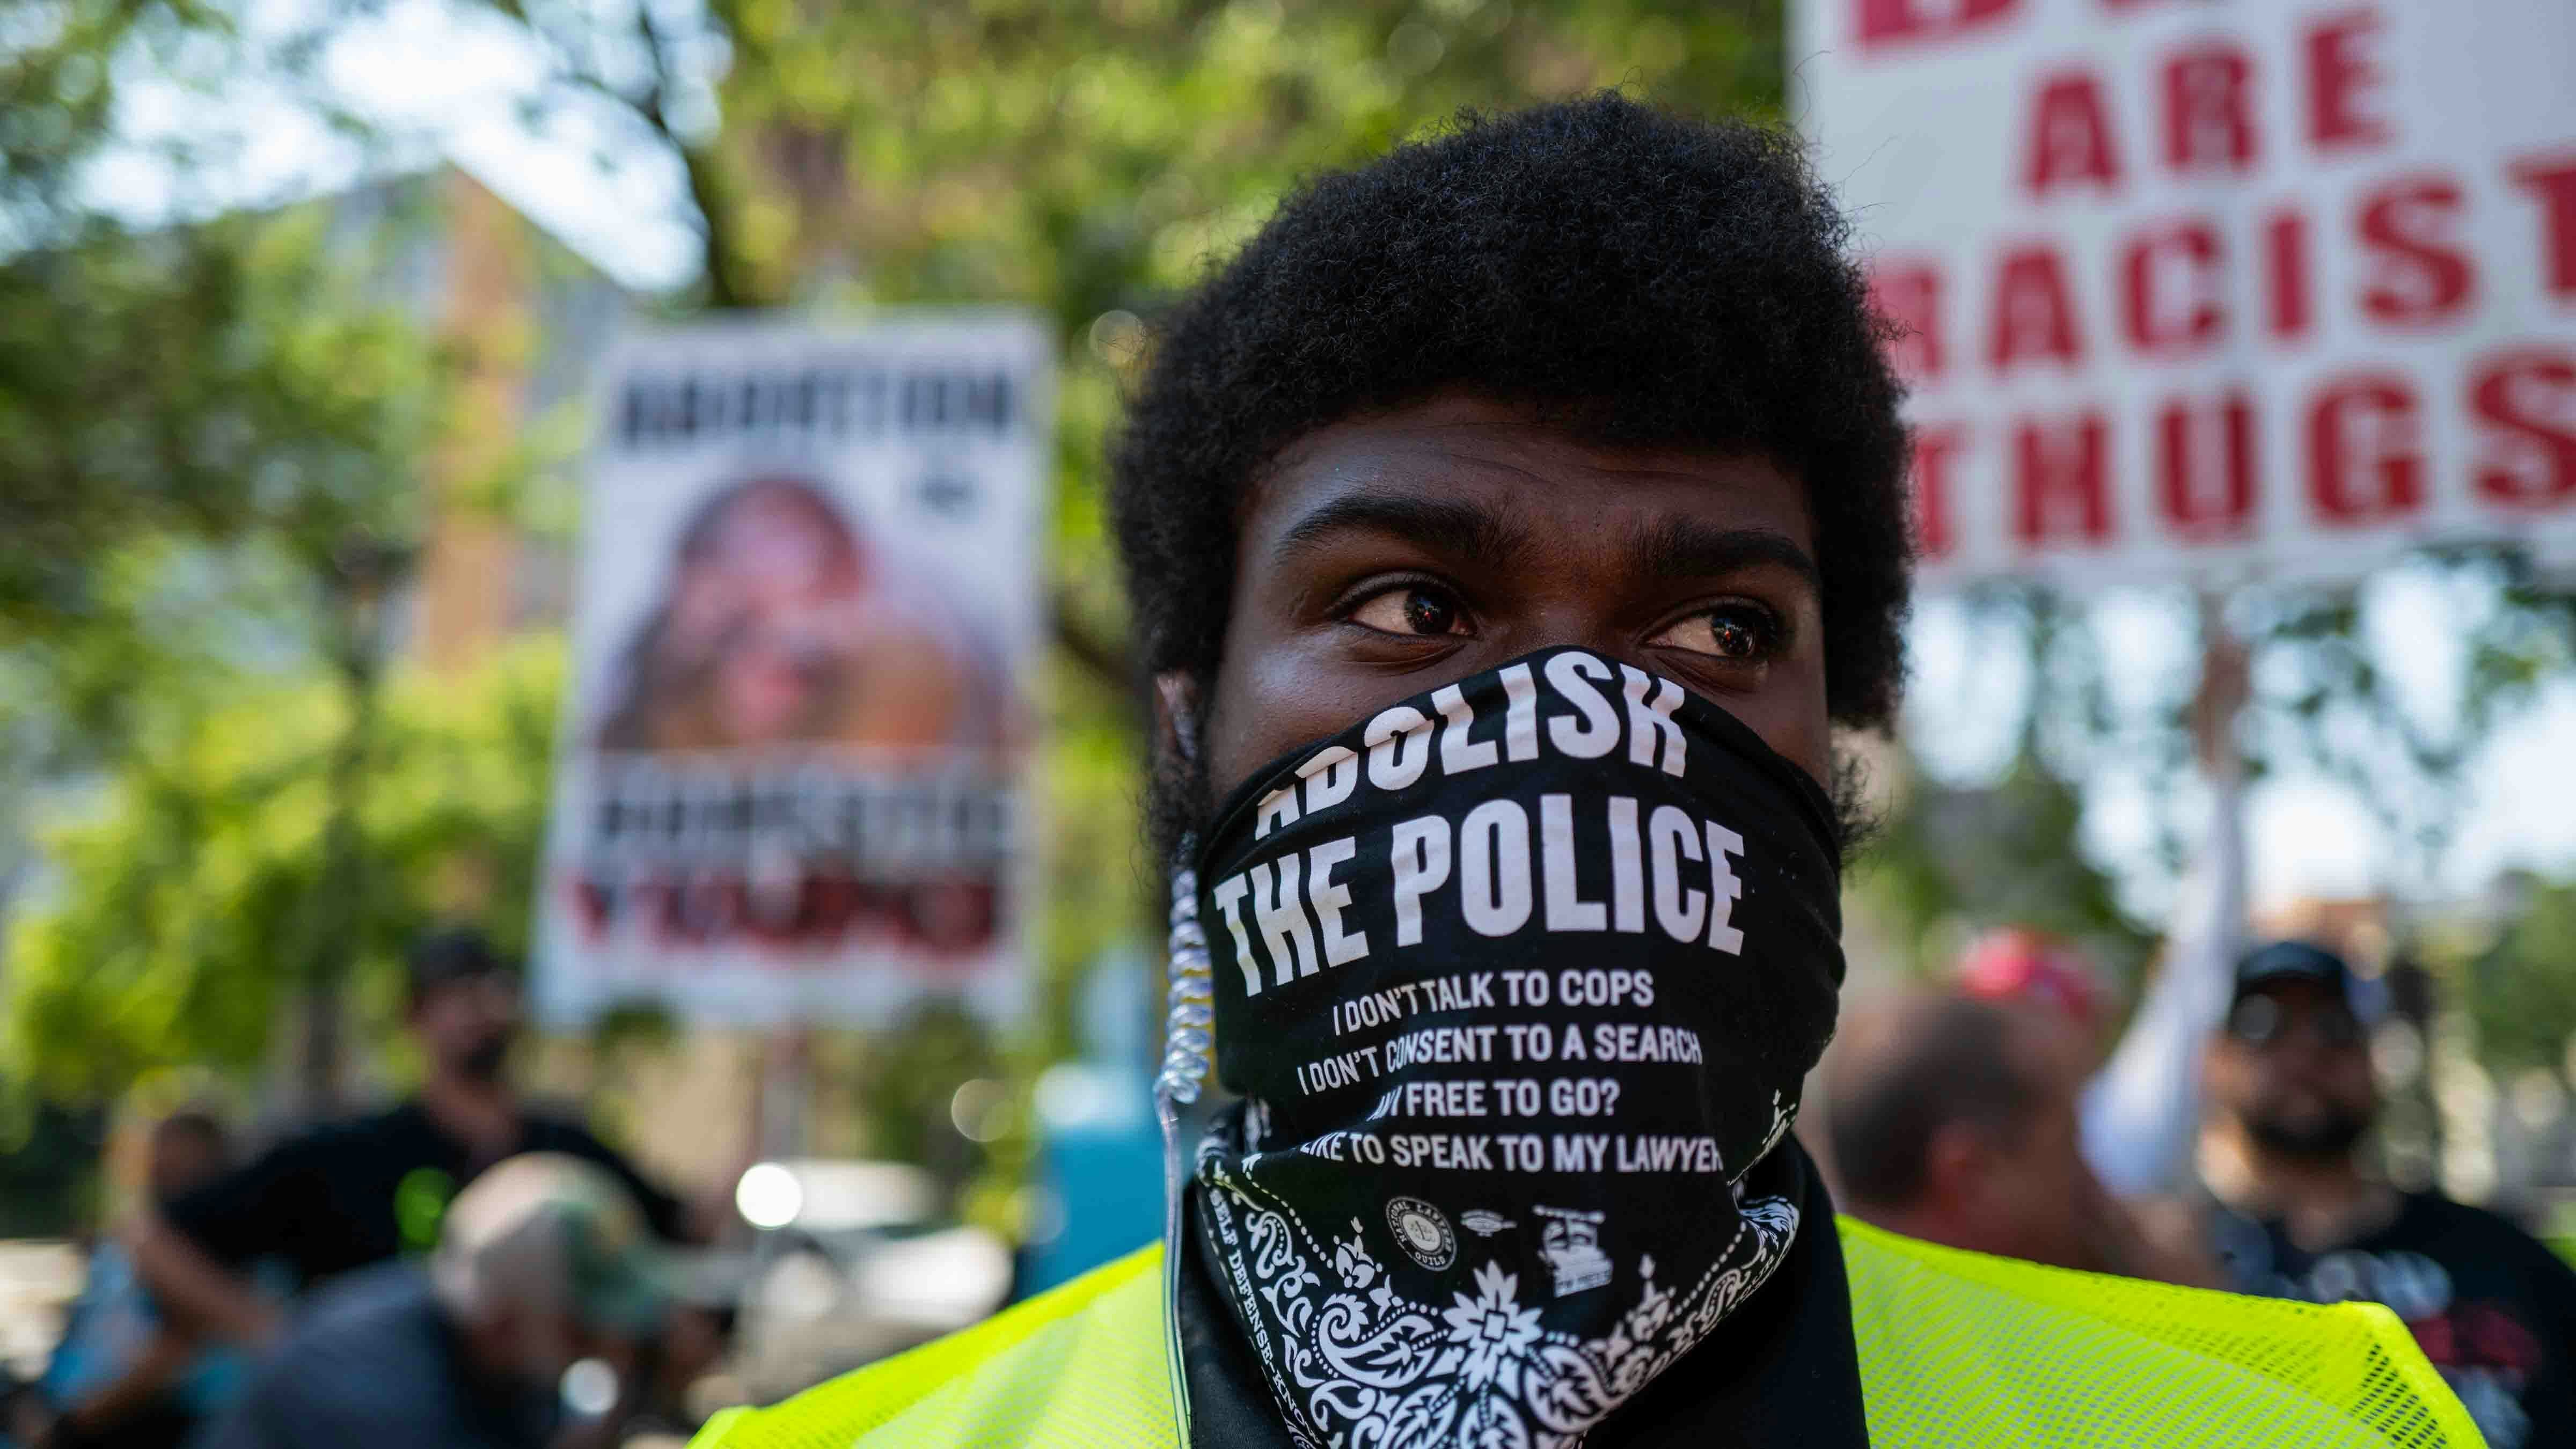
2210 291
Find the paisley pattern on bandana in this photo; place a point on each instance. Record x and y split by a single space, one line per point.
1360 1364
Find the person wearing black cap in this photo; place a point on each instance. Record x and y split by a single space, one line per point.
346 1195
2298 1213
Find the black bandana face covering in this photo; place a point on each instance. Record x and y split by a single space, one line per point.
1518 980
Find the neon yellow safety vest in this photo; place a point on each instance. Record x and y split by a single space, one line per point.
1956 1348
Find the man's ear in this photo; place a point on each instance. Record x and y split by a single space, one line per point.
1176 716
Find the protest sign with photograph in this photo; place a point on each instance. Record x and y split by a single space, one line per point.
793 775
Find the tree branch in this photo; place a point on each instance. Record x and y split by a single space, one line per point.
729 282
729 275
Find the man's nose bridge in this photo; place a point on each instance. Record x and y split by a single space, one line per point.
2304 1048
1592 625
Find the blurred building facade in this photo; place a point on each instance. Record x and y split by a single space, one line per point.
528 317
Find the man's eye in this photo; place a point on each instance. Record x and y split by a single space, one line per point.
1411 609
1736 633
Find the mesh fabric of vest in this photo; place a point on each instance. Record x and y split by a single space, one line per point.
1961 1348
1079 1366
1955 1348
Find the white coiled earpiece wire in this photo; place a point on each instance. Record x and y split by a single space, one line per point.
1189 1052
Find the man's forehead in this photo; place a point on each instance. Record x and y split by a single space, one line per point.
1536 441
1518 468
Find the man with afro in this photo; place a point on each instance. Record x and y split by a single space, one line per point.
1578 395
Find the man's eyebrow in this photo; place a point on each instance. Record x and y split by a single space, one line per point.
1678 549
1460 527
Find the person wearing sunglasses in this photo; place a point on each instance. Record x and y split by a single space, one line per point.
2298 1210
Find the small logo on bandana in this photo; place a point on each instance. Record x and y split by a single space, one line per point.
1484 1222
1422 1232
1572 1248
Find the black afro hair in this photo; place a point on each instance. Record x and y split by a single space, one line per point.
1642 277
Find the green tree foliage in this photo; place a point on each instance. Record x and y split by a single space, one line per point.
162 380
213 428
58 95
2522 990
219 432
1948 863
2330 696
159 944
2337 703
213 442
164 399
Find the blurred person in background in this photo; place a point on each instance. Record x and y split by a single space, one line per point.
2023 963
1550 458
346 1195
1952 1118
2297 1212
2142 1111
2030 968
542 1263
117 1380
